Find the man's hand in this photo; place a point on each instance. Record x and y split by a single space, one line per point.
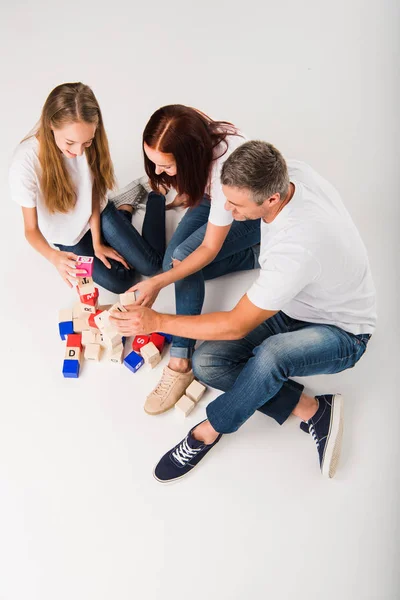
137 320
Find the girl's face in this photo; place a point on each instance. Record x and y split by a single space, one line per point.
73 138
164 163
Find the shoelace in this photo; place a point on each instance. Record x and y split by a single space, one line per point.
166 381
313 433
184 452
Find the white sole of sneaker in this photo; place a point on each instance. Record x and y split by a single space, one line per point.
333 444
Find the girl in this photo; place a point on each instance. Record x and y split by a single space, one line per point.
185 149
61 174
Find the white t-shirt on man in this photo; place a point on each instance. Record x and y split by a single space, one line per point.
24 178
314 265
218 215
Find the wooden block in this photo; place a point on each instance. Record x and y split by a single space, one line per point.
100 339
65 328
85 263
77 311
101 319
116 354
102 307
139 342
133 361
185 405
118 306
195 390
127 298
93 352
154 361
91 299
111 337
74 340
65 315
92 322
158 340
88 337
149 353
87 309
71 368
85 285
80 325
72 353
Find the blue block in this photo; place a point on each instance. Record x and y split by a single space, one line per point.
123 340
168 336
65 328
71 368
133 361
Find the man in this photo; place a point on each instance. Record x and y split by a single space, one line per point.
311 310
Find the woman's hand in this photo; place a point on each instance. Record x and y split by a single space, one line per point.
137 320
179 200
146 292
103 252
65 263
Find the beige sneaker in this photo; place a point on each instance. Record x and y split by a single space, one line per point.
166 394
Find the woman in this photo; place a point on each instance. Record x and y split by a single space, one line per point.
61 174
185 149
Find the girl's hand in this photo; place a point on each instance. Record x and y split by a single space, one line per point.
103 252
65 263
146 292
179 200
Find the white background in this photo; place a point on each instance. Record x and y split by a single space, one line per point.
80 515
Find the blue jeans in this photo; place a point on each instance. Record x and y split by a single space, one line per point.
255 372
236 254
144 253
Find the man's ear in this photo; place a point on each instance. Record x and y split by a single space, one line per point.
274 200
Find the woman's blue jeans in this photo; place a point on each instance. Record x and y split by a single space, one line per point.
144 253
255 372
237 254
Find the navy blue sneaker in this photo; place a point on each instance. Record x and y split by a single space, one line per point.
184 457
326 427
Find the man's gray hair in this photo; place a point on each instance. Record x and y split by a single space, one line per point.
258 167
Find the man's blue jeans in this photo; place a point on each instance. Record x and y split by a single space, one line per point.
237 254
255 372
144 253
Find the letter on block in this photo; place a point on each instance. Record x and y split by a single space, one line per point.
85 263
185 405
139 342
116 354
133 361
195 390
85 286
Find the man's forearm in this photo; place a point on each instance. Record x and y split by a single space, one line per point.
212 326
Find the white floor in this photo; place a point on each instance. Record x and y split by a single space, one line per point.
81 516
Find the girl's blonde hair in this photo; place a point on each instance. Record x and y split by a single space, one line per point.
71 103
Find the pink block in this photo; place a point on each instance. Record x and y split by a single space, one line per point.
85 263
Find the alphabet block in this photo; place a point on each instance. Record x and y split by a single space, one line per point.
72 353
87 309
85 285
65 328
150 354
65 315
80 325
118 306
71 368
139 342
88 337
133 361
116 354
85 263
168 336
195 390
158 340
101 319
92 321
127 298
185 405
77 311
90 298
111 337
93 352
74 340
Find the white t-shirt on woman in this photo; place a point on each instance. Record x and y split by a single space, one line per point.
24 178
218 215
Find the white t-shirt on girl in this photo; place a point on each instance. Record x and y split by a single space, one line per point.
218 215
314 265
24 178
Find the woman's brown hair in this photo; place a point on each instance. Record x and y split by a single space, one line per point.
71 103
191 136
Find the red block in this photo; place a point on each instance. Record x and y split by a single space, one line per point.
139 341
158 340
74 340
91 318
89 298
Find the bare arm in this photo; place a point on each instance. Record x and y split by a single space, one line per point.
229 325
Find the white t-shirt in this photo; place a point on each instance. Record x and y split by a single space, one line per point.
314 265
218 215
24 177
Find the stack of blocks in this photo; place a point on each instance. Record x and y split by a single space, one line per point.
87 327
194 392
